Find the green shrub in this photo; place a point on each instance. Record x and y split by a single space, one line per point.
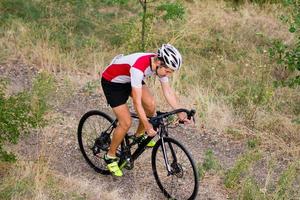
249 95
250 191
288 56
28 10
242 165
22 111
20 187
114 2
252 143
284 188
236 3
210 163
173 10
15 117
285 183
234 133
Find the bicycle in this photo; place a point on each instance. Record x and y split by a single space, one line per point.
171 162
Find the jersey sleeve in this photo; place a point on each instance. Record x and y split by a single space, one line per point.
136 77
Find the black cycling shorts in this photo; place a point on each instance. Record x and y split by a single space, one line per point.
116 93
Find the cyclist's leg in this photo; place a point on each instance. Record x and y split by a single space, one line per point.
124 122
149 107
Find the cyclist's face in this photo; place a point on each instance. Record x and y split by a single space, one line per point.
163 70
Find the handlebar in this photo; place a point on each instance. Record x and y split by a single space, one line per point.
160 115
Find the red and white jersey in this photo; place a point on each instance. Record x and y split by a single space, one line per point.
133 68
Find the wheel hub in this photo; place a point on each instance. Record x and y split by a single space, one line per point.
177 169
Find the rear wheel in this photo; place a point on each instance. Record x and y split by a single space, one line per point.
94 132
181 180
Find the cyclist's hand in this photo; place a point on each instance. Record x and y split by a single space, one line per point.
183 118
150 131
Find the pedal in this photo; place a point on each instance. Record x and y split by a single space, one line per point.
129 165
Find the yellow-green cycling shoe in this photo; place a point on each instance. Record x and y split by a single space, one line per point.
141 138
112 166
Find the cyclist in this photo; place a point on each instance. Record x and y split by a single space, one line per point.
124 77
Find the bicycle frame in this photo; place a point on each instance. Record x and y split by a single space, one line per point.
162 133
160 126
141 148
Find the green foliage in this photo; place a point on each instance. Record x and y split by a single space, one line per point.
241 166
28 10
43 87
80 24
285 186
251 93
250 191
253 143
14 118
123 33
22 111
67 24
286 180
19 187
114 2
288 56
210 163
236 3
248 96
235 133
173 10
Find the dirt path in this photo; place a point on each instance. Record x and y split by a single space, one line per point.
58 141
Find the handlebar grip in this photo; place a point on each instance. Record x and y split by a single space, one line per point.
191 114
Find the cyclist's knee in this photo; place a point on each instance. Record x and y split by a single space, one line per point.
125 124
150 108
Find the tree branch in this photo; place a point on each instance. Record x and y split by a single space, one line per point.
142 3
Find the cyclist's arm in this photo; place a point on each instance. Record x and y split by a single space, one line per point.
170 95
136 85
137 102
171 99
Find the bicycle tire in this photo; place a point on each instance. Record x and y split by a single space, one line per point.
94 161
181 192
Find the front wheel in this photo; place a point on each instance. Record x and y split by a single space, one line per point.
174 170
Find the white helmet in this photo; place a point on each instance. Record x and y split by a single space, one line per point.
170 55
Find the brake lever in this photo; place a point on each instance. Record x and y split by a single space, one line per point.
190 116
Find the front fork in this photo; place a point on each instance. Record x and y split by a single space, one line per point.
165 155
164 151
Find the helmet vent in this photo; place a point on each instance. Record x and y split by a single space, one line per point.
175 59
173 64
171 50
166 60
166 52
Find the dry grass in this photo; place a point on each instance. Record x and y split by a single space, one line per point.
34 180
221 49
280 134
